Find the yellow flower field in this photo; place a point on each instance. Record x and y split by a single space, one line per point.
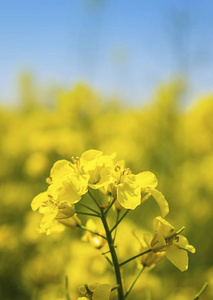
166 146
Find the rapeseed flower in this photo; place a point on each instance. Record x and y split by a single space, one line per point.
131 190
70 180
176 246
151 258
52 210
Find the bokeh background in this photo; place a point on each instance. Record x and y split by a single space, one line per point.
132 77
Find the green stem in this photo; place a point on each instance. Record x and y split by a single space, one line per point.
134 281
114 257
92 209
107 258
138 255
85 228
67 288
201 291
93 198
117 218
108 208
87 214
115 288
175 234
113 228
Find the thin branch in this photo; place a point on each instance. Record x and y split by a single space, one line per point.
138 255
108 208
93 198
90 208
87 214
126 212
85 228
197 297
67 288
117 218
134 281
107 258
175 233
115 288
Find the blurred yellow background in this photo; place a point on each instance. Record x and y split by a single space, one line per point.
174 143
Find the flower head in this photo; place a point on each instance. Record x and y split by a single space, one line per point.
151 258
52 211
176 246
131 190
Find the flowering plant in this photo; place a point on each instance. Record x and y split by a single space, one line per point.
109 184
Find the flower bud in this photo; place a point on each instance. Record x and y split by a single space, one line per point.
158 243
65 210
117 206
151 258
73 222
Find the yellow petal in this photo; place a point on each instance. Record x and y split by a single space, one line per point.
68 193
190 248
102 292
104 179
38 200
89 159
73 222
182 242
128 197
158 242
163 227
178 257
146 179
161 201
66 210
60 169
79 183
48 217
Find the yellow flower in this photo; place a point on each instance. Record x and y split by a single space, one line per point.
131 190
158 196
70 180
51 210
151 258
95 291
94 162
176 246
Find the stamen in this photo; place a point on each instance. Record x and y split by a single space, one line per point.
117 168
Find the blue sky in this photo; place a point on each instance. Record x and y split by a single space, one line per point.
122 47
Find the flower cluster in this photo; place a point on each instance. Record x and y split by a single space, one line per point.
70 180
